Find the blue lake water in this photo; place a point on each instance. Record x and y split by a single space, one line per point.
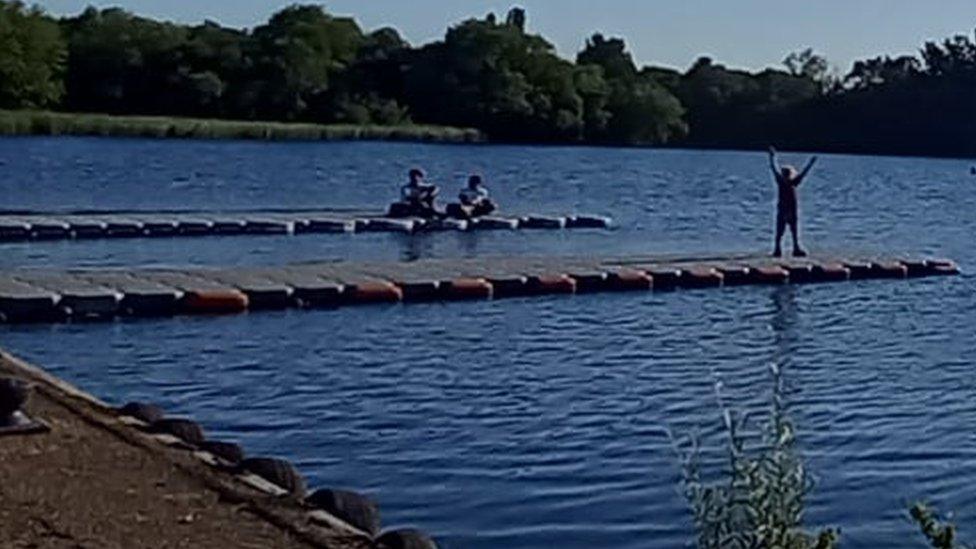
527 423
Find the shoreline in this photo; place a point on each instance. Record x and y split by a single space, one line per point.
28 124
15 123
98 481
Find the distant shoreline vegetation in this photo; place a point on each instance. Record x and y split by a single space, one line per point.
323 77
47 123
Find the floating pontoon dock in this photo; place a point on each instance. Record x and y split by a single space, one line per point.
55 226
84 294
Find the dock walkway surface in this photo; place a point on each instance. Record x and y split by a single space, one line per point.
94 481
28 295
24 226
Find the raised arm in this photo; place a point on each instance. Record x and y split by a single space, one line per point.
772 162
806 171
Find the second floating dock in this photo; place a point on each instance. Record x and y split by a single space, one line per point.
54 226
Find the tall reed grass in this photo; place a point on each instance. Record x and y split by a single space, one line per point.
57 123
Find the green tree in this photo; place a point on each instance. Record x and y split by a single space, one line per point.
809 64
644 113
296 56
638 109
499 78
371 88
32 55
594 90
880 71
121 63
721 102
611 55
211 71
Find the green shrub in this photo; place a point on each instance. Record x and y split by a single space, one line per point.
939 533
760 504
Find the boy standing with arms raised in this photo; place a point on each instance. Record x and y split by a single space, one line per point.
787 180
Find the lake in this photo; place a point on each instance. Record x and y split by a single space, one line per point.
526 423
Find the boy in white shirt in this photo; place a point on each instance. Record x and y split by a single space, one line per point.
474 201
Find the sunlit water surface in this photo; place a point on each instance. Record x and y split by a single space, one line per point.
541 422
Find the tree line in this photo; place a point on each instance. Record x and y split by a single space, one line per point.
492 74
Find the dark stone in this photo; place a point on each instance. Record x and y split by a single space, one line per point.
13 395
276 471
407 538
142 411
350 507
184 429
228 451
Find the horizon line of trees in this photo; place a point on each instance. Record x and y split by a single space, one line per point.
492 74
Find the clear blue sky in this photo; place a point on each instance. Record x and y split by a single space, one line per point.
739 33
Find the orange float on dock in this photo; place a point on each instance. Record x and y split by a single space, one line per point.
461 289
551 284
378 291
700 277
830 272
215 302
889 269
769 274
629 280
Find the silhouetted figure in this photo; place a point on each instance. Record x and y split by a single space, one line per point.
787 179
416 198
473 201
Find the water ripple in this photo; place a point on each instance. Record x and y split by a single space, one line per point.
526 423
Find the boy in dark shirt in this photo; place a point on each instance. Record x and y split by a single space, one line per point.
787 179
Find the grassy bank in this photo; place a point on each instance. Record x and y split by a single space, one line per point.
56 123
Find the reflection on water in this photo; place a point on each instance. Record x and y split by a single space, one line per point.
784 324
521 423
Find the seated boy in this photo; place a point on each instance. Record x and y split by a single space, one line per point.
416 198
473 200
